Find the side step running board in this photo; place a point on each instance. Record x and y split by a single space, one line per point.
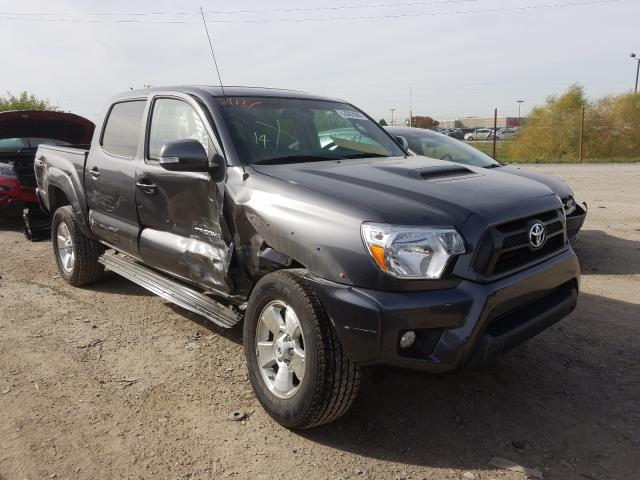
169 289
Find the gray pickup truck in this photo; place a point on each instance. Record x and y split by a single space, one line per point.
301 217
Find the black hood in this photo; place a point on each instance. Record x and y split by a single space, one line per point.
557 186
67 127
419 190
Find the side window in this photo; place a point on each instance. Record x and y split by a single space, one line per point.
173 120
122 130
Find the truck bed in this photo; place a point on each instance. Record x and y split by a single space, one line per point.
55 166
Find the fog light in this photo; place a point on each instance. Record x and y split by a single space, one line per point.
407 339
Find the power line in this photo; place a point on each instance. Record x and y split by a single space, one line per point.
322 19
420 14
343 7
234 12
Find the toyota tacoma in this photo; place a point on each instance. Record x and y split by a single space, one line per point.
304 219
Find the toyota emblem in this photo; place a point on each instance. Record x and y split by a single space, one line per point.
537 235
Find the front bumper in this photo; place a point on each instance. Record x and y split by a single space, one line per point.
575 221
458 327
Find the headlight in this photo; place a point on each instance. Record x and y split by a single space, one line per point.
569 205
411 252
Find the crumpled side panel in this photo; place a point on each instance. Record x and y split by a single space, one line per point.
188 257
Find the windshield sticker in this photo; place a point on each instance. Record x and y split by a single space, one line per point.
350 114
239 102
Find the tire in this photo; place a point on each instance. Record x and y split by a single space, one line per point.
330 381
83 267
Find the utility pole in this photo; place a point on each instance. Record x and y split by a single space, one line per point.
633 55
392 110
520 102
581 134
410 105
495 131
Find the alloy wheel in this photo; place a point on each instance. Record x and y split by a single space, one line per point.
64 243
280 349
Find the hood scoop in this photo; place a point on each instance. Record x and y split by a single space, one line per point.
441 172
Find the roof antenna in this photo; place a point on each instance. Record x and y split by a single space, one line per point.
206 29
215 62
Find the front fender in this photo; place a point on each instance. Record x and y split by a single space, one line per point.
315 230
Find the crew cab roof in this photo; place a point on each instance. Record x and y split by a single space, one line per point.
230 91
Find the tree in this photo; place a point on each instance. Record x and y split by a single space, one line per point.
552 131
615 123
424 122
383 122
24 101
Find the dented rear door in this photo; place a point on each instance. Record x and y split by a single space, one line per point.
180 212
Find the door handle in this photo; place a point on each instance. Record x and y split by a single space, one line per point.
147 187
94 172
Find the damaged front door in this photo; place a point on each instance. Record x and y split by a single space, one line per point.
181 212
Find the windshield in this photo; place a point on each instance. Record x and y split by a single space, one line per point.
23 143
439 146
271 130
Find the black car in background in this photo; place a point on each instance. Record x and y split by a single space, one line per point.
436 145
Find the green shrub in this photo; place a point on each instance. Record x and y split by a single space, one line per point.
552 131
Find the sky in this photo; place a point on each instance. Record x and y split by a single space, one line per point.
458 58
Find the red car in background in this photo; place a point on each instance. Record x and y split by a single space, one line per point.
21 131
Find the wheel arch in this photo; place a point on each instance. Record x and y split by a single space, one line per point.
57 198
60 195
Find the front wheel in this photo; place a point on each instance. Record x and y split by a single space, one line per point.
296 364
76 255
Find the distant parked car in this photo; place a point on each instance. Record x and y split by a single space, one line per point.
506 133
479 134
434 145
457 133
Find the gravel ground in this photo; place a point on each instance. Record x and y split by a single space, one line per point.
110 382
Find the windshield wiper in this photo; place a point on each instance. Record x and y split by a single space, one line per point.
365 155
293 159
494 165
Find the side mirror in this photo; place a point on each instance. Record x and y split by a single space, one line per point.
402 142
186 155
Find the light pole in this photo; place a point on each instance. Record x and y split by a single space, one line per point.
410 105
520 102
633 55
392 110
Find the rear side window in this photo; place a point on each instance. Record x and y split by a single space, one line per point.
122 131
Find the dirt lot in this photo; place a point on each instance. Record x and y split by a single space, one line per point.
111 382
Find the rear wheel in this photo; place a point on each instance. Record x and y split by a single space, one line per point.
76 255
296 364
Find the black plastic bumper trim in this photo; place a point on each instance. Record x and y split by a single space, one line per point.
368 322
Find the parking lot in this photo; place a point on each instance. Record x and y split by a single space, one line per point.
109 381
